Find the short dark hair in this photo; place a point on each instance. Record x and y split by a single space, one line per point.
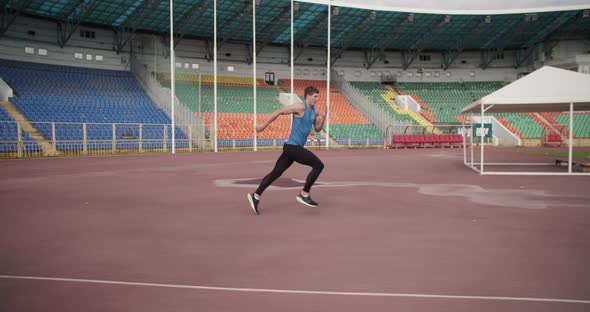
311 90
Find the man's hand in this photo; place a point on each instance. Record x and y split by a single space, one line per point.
319 122
320 119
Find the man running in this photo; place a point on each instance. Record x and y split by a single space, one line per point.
293 150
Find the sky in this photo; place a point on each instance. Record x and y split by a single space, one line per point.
468 4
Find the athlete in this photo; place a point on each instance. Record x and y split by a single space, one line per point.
304 117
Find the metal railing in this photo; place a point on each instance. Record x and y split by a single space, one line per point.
51 139
79 139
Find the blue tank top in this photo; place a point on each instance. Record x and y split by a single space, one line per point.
302 126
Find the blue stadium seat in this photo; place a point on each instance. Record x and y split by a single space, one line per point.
51 93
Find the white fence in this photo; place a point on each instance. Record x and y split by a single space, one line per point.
72 139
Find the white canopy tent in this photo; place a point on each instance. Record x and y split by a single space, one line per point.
547 89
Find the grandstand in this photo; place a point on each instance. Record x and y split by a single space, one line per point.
85 97
70 105
235 109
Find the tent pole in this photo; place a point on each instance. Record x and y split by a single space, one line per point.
471 138
481 158
464 142
570 156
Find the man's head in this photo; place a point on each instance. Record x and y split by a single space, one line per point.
312 95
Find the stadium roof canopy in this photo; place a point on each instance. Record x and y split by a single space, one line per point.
373 29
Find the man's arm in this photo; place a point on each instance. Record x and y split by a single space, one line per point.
319 122
285 110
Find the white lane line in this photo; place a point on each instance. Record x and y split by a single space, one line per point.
293 291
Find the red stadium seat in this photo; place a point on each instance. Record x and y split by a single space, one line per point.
421 139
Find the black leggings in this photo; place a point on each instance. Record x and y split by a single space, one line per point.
290 154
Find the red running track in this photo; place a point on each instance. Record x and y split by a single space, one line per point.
145 233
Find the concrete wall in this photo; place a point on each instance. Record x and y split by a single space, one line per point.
16 39
583 62
310 65
568 54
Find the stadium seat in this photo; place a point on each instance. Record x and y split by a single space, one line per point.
71 96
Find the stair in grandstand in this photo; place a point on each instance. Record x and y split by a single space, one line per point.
372 90
387 93
543 122
391 88
390 94
555 125
28 127
425 112
414 96
509 126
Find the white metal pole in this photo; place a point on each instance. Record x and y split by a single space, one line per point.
570 156
481 158
155 57
200 83
471 138
254 68
172 72
464 141
292 58
215 76
329 65
292 96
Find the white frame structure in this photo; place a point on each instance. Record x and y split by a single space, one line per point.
473 165
564 91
